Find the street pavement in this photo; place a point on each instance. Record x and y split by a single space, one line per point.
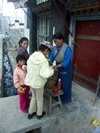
75 117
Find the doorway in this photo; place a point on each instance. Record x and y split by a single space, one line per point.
86 58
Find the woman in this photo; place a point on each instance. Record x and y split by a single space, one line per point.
62 53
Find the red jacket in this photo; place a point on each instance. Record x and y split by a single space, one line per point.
23 52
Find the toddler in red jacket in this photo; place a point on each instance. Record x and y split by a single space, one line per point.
19 78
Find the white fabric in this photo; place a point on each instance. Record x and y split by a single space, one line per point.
36 104
38 70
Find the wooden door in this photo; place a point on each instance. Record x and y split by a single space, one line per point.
86 58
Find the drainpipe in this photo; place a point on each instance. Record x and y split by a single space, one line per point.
28 16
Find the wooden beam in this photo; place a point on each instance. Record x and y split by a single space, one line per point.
43 11
96 9
84 8
43 8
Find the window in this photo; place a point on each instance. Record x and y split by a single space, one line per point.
43 29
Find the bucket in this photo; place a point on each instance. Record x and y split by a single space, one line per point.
51 82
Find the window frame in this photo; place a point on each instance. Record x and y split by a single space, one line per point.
44 36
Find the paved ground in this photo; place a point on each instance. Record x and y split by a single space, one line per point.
75 117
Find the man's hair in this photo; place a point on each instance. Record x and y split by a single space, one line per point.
20 57
42 47
22 39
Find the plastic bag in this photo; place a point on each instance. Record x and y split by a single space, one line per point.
95 122
22 90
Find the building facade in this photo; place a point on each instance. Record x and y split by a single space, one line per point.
82 32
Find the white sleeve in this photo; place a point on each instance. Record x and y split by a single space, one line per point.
45 70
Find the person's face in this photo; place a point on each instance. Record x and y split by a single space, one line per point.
58 42
21 63
46 51
24 44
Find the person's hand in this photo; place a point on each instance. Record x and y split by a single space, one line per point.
55 68
25 70
50 62
24 67
20 88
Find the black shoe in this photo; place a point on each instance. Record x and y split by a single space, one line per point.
31 115
43 114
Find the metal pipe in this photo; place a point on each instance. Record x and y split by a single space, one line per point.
76 44
62 18
28 16
64 22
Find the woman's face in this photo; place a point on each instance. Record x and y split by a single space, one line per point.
58 42
24 44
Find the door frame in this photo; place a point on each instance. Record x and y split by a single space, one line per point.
75 19
81 18
73 46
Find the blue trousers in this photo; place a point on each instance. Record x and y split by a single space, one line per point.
66 82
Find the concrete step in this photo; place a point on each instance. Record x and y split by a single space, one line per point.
75 117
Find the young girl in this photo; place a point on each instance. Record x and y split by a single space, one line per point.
38 71
23 45
19 77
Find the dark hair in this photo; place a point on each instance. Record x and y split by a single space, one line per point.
58 35
22 39
20 57
43 47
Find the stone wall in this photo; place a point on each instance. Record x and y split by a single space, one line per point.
3 24
15 35
17 31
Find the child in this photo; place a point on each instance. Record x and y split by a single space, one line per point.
38 71
19 77
23 45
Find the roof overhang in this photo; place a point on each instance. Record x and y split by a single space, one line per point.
78 4
69 4
11 0
17 3
30 3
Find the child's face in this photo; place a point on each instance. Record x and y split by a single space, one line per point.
24 44
46 51
21 63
